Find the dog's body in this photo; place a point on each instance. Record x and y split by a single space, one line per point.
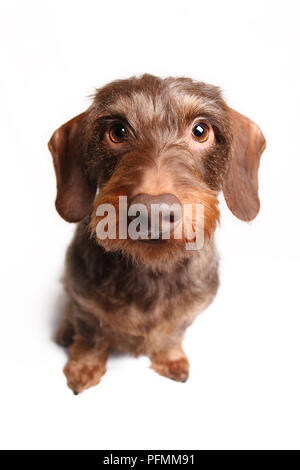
137 308
128 294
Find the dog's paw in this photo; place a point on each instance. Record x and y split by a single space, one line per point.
176 370
81 376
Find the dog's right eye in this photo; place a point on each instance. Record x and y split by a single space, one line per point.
117 133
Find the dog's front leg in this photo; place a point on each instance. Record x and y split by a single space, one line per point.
86 366
171 362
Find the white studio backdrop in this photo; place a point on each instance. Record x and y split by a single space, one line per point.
244 349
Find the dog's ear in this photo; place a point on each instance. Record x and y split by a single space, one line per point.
240 185
74 191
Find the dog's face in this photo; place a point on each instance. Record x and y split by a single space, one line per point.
155 141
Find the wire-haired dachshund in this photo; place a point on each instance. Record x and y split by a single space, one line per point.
147 142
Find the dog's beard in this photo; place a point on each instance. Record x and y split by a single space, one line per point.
165 251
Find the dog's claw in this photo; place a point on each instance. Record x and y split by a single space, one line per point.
177 370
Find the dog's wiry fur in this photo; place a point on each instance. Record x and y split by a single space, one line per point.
125 294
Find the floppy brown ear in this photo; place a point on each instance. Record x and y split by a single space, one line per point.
240 185
74 192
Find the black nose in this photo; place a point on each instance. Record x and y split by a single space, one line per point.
163 213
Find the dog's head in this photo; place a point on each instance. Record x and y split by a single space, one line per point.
170 143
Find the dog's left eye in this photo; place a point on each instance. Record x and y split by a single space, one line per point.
201 131
117 133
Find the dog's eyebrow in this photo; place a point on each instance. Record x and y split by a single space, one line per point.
112 117
201 112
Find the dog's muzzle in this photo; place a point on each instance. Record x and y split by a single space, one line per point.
158 215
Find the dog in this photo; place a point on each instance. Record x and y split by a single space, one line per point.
171 141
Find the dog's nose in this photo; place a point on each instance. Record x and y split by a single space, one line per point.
162 211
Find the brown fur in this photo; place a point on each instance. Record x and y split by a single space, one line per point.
125 294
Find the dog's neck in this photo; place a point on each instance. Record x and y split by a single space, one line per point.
92 270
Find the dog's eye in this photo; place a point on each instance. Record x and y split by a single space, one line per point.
201 131
117 133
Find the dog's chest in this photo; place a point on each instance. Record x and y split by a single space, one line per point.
134 301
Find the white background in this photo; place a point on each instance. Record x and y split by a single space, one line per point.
244 349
